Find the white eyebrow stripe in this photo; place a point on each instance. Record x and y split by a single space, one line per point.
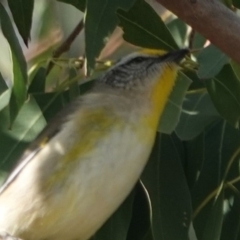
129 57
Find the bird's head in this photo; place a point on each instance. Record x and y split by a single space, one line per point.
142 69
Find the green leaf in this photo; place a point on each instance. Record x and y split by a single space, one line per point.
4 98
117 225
38 82
51 103
3 85
172 110
236 3
211 60
48 21
4 93
26 127
15 140
236 68
166 184
213 227
143 27
149 235
74 90
100 21
197 83
79 4
191 233
140 223
231 223
198 40
19 66
178 29
194 157
224 91
197 112
220 142
22 15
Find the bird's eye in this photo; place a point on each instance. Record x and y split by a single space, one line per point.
139 59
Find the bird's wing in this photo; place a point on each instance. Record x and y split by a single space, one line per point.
54 127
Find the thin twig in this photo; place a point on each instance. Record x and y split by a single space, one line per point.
214 193
65 46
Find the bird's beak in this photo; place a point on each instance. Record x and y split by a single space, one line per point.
176 56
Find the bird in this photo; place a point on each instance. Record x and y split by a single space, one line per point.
86 161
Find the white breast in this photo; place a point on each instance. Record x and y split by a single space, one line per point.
98 184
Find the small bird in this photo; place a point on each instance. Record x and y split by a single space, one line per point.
86 161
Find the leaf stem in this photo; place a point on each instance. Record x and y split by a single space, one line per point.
215 192
64 47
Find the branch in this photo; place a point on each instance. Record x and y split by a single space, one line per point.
65 46
213 20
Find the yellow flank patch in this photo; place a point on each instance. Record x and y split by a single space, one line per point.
92 126
160 93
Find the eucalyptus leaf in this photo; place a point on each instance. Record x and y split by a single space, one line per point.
197 83
3 85
166 184
213 227
236 3
38 82
52 103
198 41
194 159
172 110
4 93
141 222
224 91
143 27
191 233
19 66
231 223
15 140
79 4
22 14
197 112
178 30
236 68
4 98
211 60
100 21
220 142
74 90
